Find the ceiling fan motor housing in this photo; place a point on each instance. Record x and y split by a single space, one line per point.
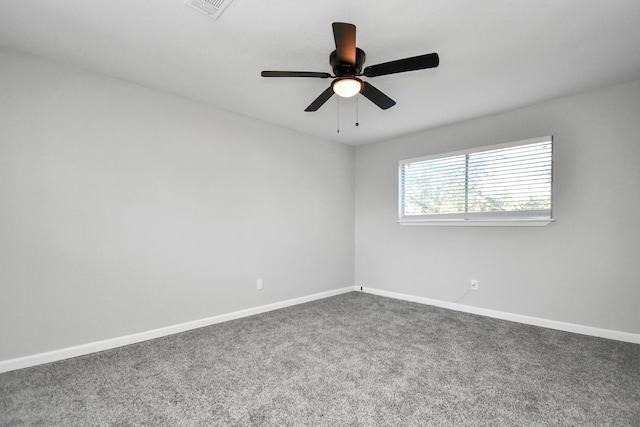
341 69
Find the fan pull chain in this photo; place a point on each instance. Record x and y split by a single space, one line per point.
338 114
357 100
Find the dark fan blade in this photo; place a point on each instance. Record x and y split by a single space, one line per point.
377 97
345 36
430 60
294 74
324 97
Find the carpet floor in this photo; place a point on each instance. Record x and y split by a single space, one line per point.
351 360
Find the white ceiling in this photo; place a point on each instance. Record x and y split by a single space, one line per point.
495 55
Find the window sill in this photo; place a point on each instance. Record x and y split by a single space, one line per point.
518 222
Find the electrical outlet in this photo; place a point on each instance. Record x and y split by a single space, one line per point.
474 285
259 284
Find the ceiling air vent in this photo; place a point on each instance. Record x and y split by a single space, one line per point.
212 8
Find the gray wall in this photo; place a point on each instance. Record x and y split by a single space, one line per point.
580 269
123 209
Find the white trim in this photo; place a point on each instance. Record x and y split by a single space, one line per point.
520 222
513 317
93 347
84 349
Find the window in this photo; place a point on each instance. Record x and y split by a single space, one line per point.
506 184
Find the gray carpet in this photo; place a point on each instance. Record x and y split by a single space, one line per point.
351 360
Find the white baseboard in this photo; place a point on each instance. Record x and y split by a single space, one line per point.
529 320
81 350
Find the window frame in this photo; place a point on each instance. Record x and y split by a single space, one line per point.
493 218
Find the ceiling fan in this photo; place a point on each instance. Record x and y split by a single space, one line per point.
347 61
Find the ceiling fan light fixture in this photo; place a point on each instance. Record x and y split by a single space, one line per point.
347 87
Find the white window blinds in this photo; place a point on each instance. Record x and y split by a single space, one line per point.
503 182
